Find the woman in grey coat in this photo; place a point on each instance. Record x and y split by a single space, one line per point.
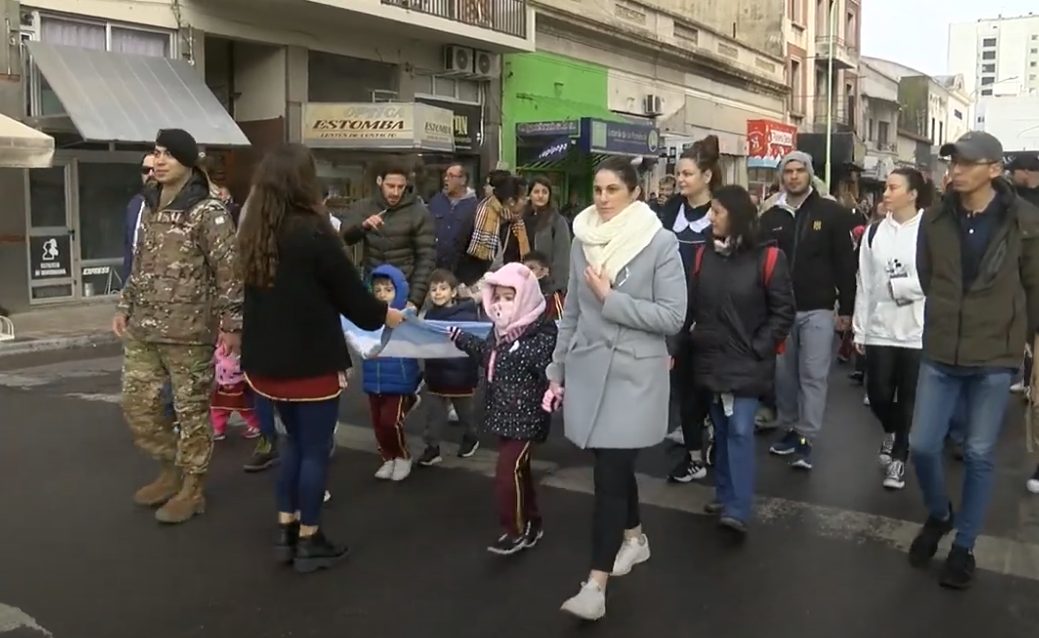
610 368
549 232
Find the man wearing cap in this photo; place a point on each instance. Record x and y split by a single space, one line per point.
978 262
183 284
1024 172
815 233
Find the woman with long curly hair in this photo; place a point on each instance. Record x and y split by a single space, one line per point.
299 281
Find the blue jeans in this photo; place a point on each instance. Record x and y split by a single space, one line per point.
264 408
305 456
734 457
986 392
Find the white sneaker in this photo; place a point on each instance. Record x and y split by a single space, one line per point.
1019 387
401 469
887 446
328 496
588 604
865 400
385 471
896 476
1033 483
632 552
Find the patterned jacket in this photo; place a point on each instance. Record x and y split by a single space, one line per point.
185 280
513 396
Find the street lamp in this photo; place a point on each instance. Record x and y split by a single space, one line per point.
832 42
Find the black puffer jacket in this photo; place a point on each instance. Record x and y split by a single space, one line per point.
406 239
737 322
459 376
514 394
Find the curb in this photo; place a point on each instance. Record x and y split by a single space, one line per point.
50 344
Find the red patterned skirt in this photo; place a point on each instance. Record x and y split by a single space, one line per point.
232 397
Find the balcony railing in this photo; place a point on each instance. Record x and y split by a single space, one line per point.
503 16
843 117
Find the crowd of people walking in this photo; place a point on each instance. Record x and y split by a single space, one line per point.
701 304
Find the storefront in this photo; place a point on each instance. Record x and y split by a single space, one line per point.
350 139
74 212
469 138
768 142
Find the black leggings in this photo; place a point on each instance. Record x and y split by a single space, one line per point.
891 375
616 504
693 404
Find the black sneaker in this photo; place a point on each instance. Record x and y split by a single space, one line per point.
507 544
958 572
733 525
786 445
285 545
687 471
470 444
714 508
431 456
857 377
534 533
802 455
925 545
317 552
265 456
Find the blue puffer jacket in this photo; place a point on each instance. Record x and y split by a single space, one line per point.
453 377
391 375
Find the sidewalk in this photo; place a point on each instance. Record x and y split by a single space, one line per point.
58 328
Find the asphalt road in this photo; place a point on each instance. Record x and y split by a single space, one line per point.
827 557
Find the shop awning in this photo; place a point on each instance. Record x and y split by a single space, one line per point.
117 97
22 146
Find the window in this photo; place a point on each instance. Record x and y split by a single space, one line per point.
986 92
1034 51
882 134
1032 76
957 114
1032 64
941 133
934 129
988 68
988 79
869 129
988 42
988 55
448 88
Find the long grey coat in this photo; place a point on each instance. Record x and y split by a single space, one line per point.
612 358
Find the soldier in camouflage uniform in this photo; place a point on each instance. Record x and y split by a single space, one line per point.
184 284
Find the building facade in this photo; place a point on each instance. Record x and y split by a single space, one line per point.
996 56
337 75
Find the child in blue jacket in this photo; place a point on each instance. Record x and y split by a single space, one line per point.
391 385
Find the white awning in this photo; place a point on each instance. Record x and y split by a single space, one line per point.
119 97
22 146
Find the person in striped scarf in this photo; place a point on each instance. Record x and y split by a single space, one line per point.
498 235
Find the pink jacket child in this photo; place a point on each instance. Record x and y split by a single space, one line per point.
231 395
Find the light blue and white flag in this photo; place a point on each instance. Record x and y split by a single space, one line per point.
414 339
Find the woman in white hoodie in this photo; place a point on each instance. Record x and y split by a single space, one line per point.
889 315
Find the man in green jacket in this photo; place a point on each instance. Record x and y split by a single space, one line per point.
978 262
395 228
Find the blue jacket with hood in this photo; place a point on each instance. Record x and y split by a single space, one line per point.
391 375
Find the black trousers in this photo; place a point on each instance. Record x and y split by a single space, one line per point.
891 375
616 504
690 404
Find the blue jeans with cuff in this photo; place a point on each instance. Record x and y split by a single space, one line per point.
734 457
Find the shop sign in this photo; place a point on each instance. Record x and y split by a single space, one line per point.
50 257
548 129
556 150
391 126
468 124
619 138
768 142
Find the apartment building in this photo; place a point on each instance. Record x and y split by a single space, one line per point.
419 77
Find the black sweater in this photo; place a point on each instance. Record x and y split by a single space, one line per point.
818 246
292 329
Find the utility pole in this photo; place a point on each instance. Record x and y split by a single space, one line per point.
832 43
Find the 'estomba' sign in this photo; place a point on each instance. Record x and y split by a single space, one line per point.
387 126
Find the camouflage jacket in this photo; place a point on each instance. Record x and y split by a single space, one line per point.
185 280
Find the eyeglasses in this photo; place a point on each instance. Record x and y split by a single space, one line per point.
146 170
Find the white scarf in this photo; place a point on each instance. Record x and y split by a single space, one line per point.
611 245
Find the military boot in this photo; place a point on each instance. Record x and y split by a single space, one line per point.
161 489
188 502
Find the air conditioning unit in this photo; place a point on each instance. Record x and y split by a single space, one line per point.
652 105
486 65
458 60
380 95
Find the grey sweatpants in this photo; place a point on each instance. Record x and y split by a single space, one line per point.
803 373
436 416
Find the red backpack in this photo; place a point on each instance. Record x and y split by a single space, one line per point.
771 256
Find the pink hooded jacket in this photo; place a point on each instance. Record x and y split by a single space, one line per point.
529 303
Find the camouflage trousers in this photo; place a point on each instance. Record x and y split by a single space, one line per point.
189 370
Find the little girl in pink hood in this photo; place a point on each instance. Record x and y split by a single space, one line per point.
514 355
231 395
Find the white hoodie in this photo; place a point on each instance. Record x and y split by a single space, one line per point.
889 302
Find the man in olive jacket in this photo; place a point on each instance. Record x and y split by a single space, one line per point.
395 228
978 262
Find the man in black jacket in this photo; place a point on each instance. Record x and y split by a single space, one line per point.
815 233
1024 172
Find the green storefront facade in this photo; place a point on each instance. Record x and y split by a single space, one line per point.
547 100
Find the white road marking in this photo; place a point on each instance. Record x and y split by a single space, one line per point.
1016 557
12 618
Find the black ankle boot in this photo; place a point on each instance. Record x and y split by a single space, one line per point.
317 552
285 545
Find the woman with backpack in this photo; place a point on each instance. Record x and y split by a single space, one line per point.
889 315
741 308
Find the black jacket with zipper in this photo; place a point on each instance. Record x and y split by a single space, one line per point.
988 323
818 245
736 321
